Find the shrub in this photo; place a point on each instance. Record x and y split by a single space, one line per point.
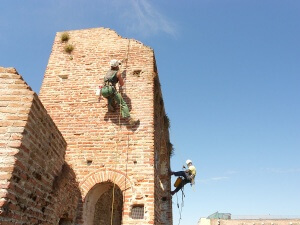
65 37
69 48
167 121
170 149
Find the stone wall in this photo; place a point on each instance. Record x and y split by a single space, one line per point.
101 146
36 185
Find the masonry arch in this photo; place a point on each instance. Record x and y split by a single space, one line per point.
98 205
97 189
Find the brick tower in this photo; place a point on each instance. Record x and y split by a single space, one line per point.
112 161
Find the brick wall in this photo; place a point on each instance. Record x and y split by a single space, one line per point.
35 181
106 200
101 147
163 150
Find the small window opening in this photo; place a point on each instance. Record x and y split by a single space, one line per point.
89 162
65 221
137 72
164 199
137 212
63 76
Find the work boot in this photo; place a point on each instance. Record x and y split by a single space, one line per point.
170 172
133 121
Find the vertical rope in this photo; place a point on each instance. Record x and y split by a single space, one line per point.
126 167
181 206
120 114
112 205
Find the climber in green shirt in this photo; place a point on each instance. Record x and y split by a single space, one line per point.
109 91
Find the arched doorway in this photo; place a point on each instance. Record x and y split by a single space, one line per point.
98 205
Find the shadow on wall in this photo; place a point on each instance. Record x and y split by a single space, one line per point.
116 117
66 191
37 186
40 198
99 202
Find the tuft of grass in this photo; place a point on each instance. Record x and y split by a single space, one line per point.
65 37
167 121
69 48
171 149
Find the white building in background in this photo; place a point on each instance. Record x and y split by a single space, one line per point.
228 219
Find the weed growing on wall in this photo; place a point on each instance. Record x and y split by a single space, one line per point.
65 37
69 48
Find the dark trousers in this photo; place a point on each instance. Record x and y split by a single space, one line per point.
183 182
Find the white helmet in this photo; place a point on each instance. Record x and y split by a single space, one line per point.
115 63
188 161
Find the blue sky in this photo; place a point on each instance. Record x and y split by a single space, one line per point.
230 75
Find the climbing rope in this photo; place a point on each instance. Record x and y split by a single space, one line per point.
182 204
117 157
117 154
183 195
182 200
126 167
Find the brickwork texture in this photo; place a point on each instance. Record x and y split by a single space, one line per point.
35 181
66 159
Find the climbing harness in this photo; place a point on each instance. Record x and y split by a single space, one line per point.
108 90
